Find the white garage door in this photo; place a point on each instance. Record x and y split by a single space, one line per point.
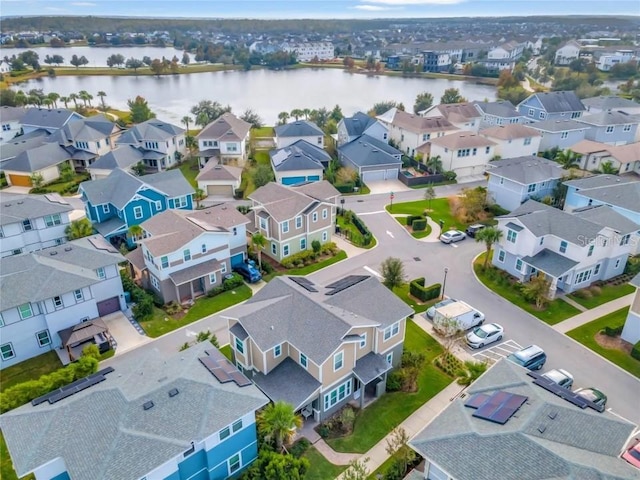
373 176
219 190
392 173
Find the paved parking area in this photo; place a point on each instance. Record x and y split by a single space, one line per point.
497 351
125 334
387 186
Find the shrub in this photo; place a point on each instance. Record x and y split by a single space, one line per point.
238 194
450 175
419 225
583 293
143 308
234 282
635 351
613 331
345 187
299 447
172 307
215 291
496 210
347 418
394 381
422 293
316 246
411 218
595 290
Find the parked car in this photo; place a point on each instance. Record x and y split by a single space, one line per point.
248 271
593 395
452 236
484 335
531 357
473 229
431 311
559 376
632 455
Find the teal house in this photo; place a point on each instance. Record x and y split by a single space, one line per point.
121 200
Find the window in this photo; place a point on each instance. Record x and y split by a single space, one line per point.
6 127
6 351
234 463
390 358
363 340
617 263
158 205
609 129
105 208
100 273
303 360
325 236
527 141
391 331
590 252
277 351
225 433
164 262
43 338
235 230
501 180
180 202
564 134
25 311
1 321
541 240
203 248
57 302
239 345
426 136
285 250
542 115
625 240
531 112
299 221
338 361
285 226
626 128
137 212
315 216
596 269
519 265
26 225
319 140
325 214
563 246
583 276
274 249
474 151
231 147
531 188
235 426
501 255
512 236
186 254
263 223
337 395
576 114
51 220
212 278
303 244
487 150
223 268
78 295
154 282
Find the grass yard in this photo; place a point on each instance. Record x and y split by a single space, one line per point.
363 190
403 293
608 293
377 420
555 311
161 323
585 334
262 157
321 468
262 132
309 268
419 234
439 210
190 170
226 351
30 369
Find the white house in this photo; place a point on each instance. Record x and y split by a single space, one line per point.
465 153
77 281
509 51
513 140
631 330
5 67
567 53
292 132
605 62
308 51
225 138
464 115
11 122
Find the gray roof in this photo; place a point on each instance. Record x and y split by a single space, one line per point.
152 130
604 180
558 125
575 444
226 127
608 217
59 270
623 195
110 227
12 114
213 171
89 129
82 331
16 208
194 271
609 118
526 170
37 158
50 120
300 155
609 102
635 281
358 123
371 366
123 157
499 108
550 262
299 128
557 102
22 143
108 435
288 382
367 151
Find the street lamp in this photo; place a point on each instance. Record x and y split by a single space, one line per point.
444 282
342 206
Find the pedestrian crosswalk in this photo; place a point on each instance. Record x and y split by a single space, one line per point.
496 352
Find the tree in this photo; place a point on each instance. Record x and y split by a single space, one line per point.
37 180
199 195
471 372
139 169
74 98
272 465
277 422
258 241
429 194
206 111
66 101
252 117
336 114
474 201
140 111
158 67
434 164
283 117
54 60
357 469
135 231
568 159
398 448
134 63
85 97
393 273
319 117
348 62
115 59
296 113
262 175
186 120
608 168
66 172
79 229
78 61
537 290
452 95
382 107
54 97
424 100
185 58
507 80
490 236
147 60
101 94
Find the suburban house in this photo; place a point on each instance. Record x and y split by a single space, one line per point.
350 128
45 160
188 412
509 50
5 67
76 281
163 144
464 116
513 181
435 61
371 158
290 133
569 52
219 180
11 122
183 254
32 222
610 103
572 250
631 329
513 140
124 157
319 347
18 145
535 434
625 158
47 119
607 60
292 217
500 112
546 106
298 163
226 138
615 128
495 66
120 201
308 51
560 133
410 131
465 153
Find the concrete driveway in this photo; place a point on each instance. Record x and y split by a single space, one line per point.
387 186
125 334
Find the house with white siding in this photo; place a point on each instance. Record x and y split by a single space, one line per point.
464 115
11 122
513 140
569 52
292 132
465 153
225 139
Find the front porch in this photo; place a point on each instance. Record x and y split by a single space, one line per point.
192 282
556 268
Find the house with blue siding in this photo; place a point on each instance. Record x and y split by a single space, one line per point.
542 106
116 203
298 163
561 134
151 416
350 128
500 112
613 128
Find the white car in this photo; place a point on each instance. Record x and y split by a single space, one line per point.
484 335
452 236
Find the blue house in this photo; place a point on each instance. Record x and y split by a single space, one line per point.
613 128
147 416
121 200
298 163
551 106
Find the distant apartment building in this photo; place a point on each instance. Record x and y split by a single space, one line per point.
605 62
436 61
569 52
306 52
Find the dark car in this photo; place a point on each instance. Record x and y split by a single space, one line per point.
248 271
473 229
531 357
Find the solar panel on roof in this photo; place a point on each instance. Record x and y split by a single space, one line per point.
562 392
500 407
240 379
477 400
304 283
345 283
221 368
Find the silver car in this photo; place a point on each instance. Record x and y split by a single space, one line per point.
452 236
484 335
559 376
431 311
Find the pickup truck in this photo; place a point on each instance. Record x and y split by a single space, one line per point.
249 271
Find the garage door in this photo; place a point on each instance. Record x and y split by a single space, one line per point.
108 306
20 180
237 259
392 174
293 180
219 190
373 176
313 178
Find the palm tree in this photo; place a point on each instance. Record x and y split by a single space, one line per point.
66 101
74 98
306 112
79 229
434 164
186 120
258 241
47 102
568 159
488 235
608 168
296 113
101 94
135 231
21 98
278 422
283 117
85 97
393 273
199 195
54 97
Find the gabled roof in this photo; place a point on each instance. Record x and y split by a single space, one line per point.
499 108
12 114
50 120
510 132
153 130
17 145
300 155
623 195
610 118
226 127
416 123
37 158
609 102
604 180
587 146
215 171
557 102
608 217
458 112
462 139
285 202
366 151
16 208
299 128
91 129
124 156
572 43
555 126
358 123
526 170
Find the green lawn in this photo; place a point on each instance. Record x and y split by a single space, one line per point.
439 210
586 336
226 351
419 234
609 293
262 157
403 293
556 311
309 268
363 190
60 187
377 420
30 369
381 470
262 132
190 170
157 325
321 468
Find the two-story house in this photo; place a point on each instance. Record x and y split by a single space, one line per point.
183 254
547 106
319 347
513 181
292 217
513 140
45 160
631 329
560 134
191 413
121 200
292 132
124 157
567 53
372 159
572 250
350 128
464 115
614 128
509 50
465 153
11 122
594 155
32 222
226 138
500 112
611 103
49 290
163 144
49 120
298 163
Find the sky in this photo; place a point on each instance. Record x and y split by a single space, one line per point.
270 9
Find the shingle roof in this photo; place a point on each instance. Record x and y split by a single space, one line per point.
299 128
587 146
151 130
526 170
550 262
37 158
366 151
604 180
89 129
416 123
607 217
108 435
609 118
623 195
288 382
16 208
48 119
557 102
123 157
559 125
215 171
226 127
510 132
358 123
609 102
12 114
300 155
23 143
458 112
499 108
283 202
575 443
323 191
462 139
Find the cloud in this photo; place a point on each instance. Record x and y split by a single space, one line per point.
374 8
414 2
84 4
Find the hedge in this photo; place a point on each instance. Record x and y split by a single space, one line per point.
419 224
422 293
345 187
635 351
613 331
229 284
412 218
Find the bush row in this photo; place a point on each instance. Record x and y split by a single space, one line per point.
229 284
307 257
345 187
635 351
422 293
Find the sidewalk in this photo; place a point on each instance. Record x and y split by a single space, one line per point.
349 248
593 314
434 235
